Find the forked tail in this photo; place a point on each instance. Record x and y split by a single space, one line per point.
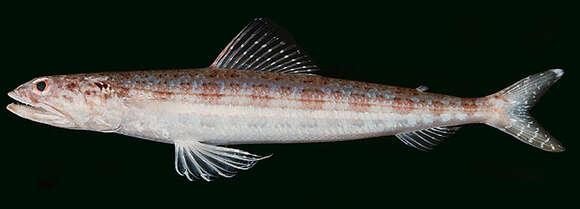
514 104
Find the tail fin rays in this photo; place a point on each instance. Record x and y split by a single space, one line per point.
519 99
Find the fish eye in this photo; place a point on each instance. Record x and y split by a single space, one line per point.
40 86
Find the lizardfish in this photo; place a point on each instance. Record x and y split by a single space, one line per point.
262 89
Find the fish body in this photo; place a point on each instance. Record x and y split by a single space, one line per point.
247 107
260 90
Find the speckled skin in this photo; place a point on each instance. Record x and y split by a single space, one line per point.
221 106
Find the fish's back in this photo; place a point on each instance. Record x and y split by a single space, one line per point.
265 88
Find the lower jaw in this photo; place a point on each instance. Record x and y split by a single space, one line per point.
36 114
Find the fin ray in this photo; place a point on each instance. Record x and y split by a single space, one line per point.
264 46
213 166
196 160
227 158
516 119
426 139
198 170
226 161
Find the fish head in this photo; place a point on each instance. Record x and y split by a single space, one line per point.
63 101
41 100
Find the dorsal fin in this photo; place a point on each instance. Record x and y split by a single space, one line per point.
264 46
422 88
426 139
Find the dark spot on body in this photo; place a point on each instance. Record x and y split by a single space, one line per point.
102 85
71 86
212 75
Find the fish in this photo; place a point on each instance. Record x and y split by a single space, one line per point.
263 89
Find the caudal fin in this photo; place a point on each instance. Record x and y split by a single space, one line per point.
515 103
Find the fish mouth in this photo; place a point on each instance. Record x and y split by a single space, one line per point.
41 113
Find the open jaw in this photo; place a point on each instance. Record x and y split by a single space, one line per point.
38 112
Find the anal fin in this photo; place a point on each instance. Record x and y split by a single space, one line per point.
196 160
426 139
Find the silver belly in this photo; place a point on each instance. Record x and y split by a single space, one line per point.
223 124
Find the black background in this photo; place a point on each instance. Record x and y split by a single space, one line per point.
453 49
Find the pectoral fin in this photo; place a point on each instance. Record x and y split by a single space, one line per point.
196 160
